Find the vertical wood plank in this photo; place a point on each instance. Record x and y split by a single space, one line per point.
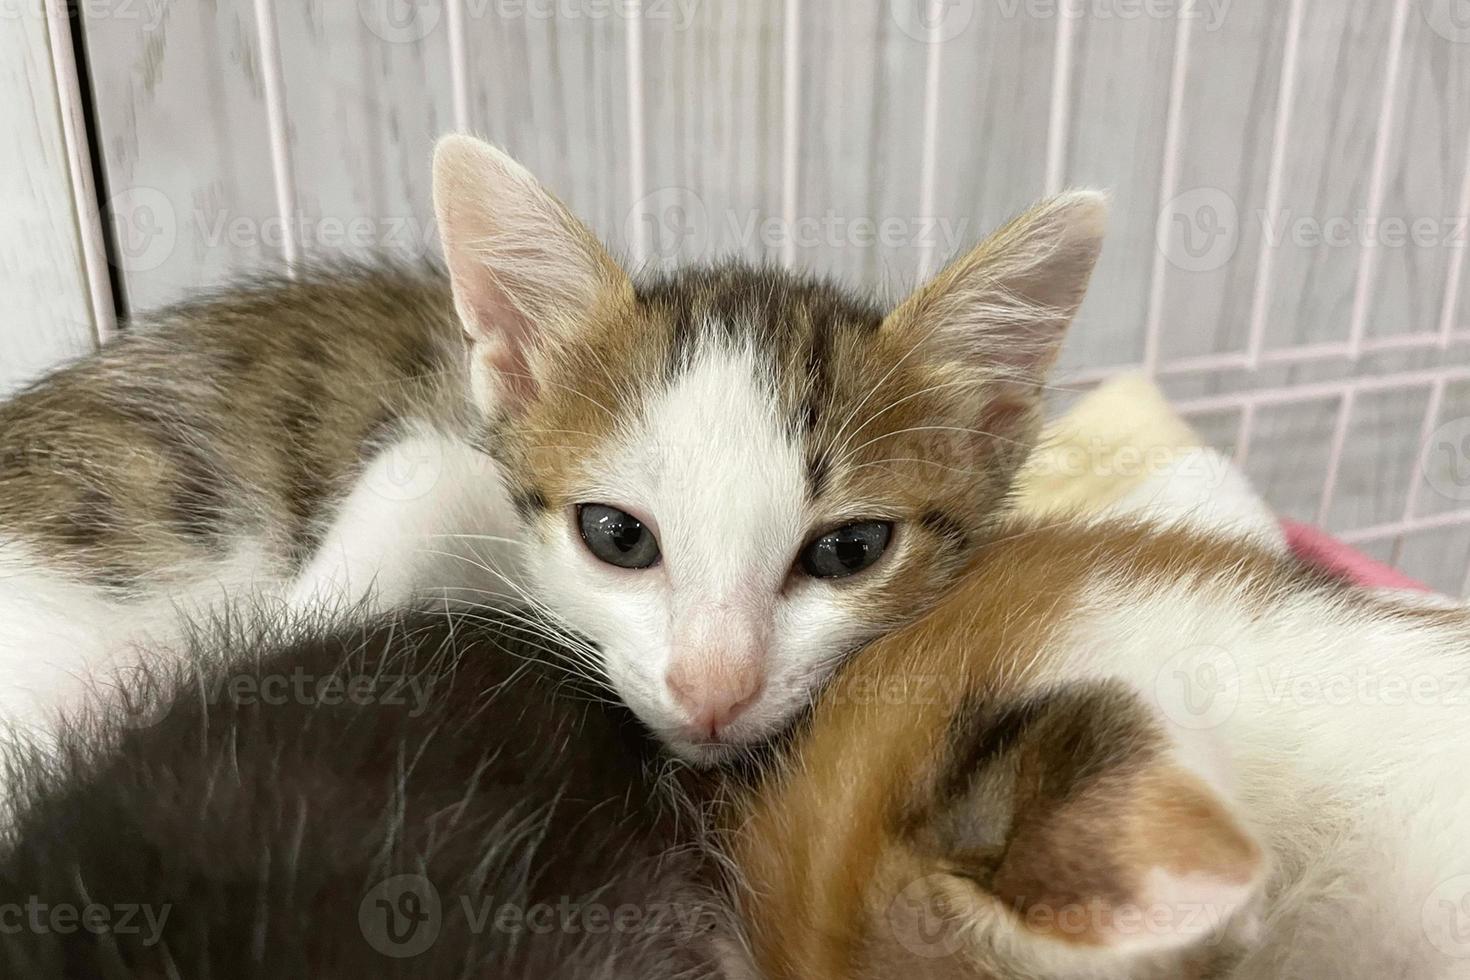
183 137
552 90
1289 453
1444 464
1378 462
1315 235
1426 168
995 80
1115 141
366 96
48 315
1226 126
849 225
1438 558
713 103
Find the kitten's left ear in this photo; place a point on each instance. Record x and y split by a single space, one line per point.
1079 828
524 271
998 313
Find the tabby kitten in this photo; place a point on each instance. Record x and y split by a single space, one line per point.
725 478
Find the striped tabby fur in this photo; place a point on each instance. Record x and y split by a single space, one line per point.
406 435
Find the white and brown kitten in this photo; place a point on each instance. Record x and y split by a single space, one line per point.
1115 751
726 479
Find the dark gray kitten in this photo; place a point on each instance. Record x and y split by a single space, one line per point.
414 797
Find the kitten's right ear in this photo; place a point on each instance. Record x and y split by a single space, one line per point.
1003 307
525 272
989 326
1075 832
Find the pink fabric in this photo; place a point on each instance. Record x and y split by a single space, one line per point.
1319 548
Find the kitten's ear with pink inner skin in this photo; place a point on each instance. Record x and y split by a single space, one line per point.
1094 838
525 273
997 315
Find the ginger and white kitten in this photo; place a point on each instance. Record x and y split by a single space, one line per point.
1122 751
725 479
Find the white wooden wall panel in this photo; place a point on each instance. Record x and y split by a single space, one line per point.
48 315
365 96
1444 485
995 82
849 147
792 130
182 127
1438 558
1117 111
1325 171
554 93
901 135
1425 171
1375 490
1217 175
1289 452
712 92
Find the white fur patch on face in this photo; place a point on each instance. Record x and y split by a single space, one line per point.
713 467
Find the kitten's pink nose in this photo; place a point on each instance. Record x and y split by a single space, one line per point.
714 691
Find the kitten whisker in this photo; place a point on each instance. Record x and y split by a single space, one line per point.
962 383
889 460
471 536
580 394
930 428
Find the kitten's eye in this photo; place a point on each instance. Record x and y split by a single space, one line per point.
846 550
616 536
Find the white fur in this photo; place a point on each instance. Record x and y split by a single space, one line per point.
1336 731
710 466
1353 780
61 641
1199 488
427 522
428 518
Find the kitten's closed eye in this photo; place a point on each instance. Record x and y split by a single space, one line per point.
846 550
617 537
